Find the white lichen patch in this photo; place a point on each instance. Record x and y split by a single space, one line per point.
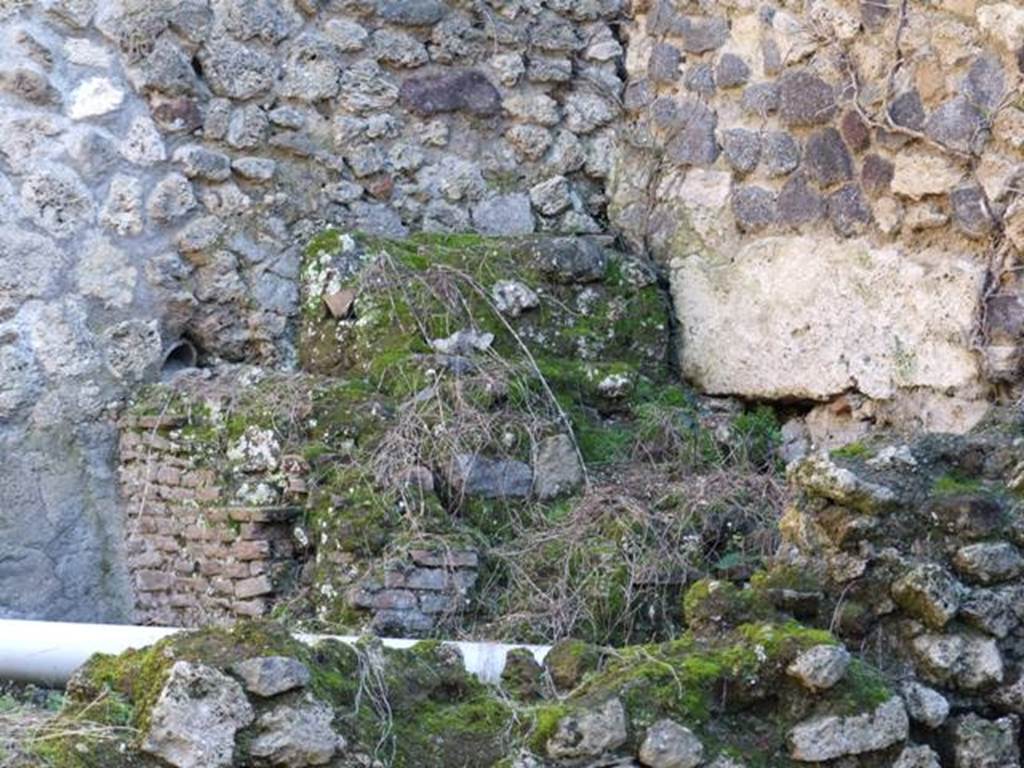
95 96
257 450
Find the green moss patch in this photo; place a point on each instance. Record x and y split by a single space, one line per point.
854 450
955 484
418 708
731 689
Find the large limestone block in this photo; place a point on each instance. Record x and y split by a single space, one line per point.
810 318
195 720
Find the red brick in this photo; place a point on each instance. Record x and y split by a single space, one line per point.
237 570
204 476
250 608
395 599
207 494
165 543
215 515
251 550
253 531
195 584
145 559
211 567
153 581
183 600
168 475
198 533
246 514
258 585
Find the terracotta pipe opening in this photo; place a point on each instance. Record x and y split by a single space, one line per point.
181 355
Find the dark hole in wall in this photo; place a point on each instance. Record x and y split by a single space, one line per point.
180 356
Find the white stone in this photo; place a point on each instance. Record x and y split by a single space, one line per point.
121 212
1008 126
831 737
917 757
268 676
257 494
953 42
589 732
86 53
821 667
981 666
959 7
811 318
95 96
604 50
552 196
705 196
795 36
25 139
61 339
142 144
512 297
56 200
924 216
19 378
533 108
195 720
463 343
133 349
971 662
106 273
920 173
892 455
556 468
1004 23
346 34
925 705
839 422
510 68
8 207
839 23
997 174
297 735
615 386
670 745
934 411
888 214
170 199
257 450
40 265
822 477
225 199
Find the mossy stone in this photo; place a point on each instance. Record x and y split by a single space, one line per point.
569 661
523 676
711 605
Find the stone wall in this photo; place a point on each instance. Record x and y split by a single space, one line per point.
414 595
833 184
221 504
196 554
912 551
163 163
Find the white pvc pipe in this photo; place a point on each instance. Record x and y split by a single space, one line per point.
48 652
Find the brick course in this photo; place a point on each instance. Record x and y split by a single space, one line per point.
195 560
